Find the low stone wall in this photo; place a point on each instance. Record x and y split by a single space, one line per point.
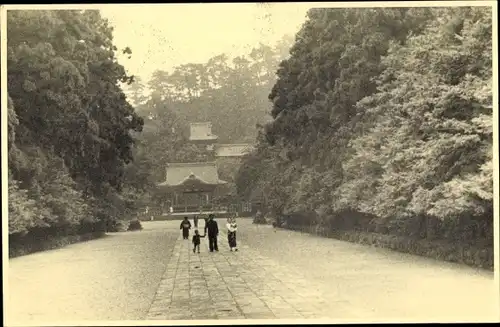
458 253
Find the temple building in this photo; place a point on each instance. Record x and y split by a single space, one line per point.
232 150
201 133
190 187
228 158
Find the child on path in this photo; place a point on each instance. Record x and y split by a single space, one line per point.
197 241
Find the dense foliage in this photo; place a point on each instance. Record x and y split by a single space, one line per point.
382 122
69 124
73 132
230 94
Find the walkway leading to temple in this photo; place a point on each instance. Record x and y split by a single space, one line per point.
234 285
153 274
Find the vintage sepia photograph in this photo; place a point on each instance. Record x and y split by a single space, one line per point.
250 163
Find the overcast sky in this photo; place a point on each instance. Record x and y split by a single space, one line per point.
166 35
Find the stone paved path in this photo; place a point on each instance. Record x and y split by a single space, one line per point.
249 285
277 274
232 285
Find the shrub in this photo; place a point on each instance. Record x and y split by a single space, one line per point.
115 226
261 220
20 245
440 250
471 255
134 225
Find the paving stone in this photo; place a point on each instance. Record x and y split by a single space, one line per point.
242 285
289 316
308 277
260 315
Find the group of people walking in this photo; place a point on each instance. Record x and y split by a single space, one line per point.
211 229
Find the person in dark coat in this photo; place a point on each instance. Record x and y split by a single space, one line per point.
185 226
213 232
195 221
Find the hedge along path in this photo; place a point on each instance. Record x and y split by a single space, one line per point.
395 286
291 274
473 256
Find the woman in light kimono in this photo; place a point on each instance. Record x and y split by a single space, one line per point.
231 233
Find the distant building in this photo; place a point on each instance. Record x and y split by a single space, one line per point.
228 158
202 133
232 150
189 187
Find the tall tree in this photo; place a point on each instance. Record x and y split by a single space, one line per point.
72 134
231 93
436 119
136 92
385 112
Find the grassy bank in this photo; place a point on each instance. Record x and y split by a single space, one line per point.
471 255
28 245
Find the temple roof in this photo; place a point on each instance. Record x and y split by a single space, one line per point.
188 173
201 132
232 150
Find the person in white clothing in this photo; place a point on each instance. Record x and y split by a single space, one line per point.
231 233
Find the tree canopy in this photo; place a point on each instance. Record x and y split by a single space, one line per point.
230 93
69 121
383 111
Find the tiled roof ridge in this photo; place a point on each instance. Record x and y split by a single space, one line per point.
205 137
233 144
184 164
192 176
201 123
